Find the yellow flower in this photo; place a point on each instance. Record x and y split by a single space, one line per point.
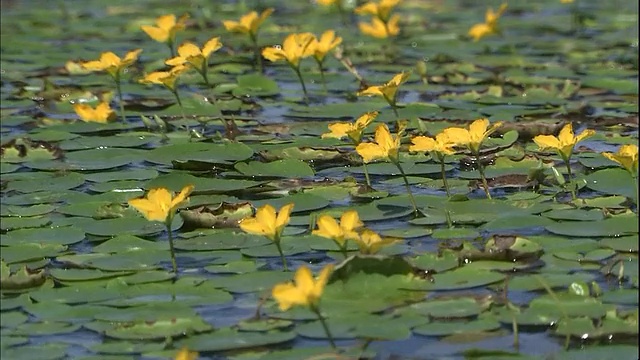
564 143
266 222
294 48
166 78
248 24
185 354
328 41
112 63
370 242
100 114
627 156
388 90
306 291
472 139
167 26
441 144
160 205
327 2
381 10
353 131
566 1
379 29
490 25
386 146
329 228
192 54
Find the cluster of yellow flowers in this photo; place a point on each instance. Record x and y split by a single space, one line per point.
383 24
296 47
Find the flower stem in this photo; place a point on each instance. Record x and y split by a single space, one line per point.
282 257
120 101
343 14
343 250
304 88
408 187
324 82
315 309
256 53
395 111
203 72
637 195
174 265
171 48
567 162
175 93
444 176
485 185
366 174
447 215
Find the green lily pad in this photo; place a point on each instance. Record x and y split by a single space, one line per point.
611 227
222 153
291 168
229 339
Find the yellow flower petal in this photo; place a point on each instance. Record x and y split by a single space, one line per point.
233 26
211 46
304 291
182 196
350 220
287 295
185 354
101 114
303 280
155 33
337 130
370 152
166 22
266 216
376 28
322 280
393 27
365 119
478 128
422 144
158 205
327 227
267 223
585 134
283 216
372 90
627 156
274 54
478 31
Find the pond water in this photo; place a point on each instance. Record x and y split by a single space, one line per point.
531 273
